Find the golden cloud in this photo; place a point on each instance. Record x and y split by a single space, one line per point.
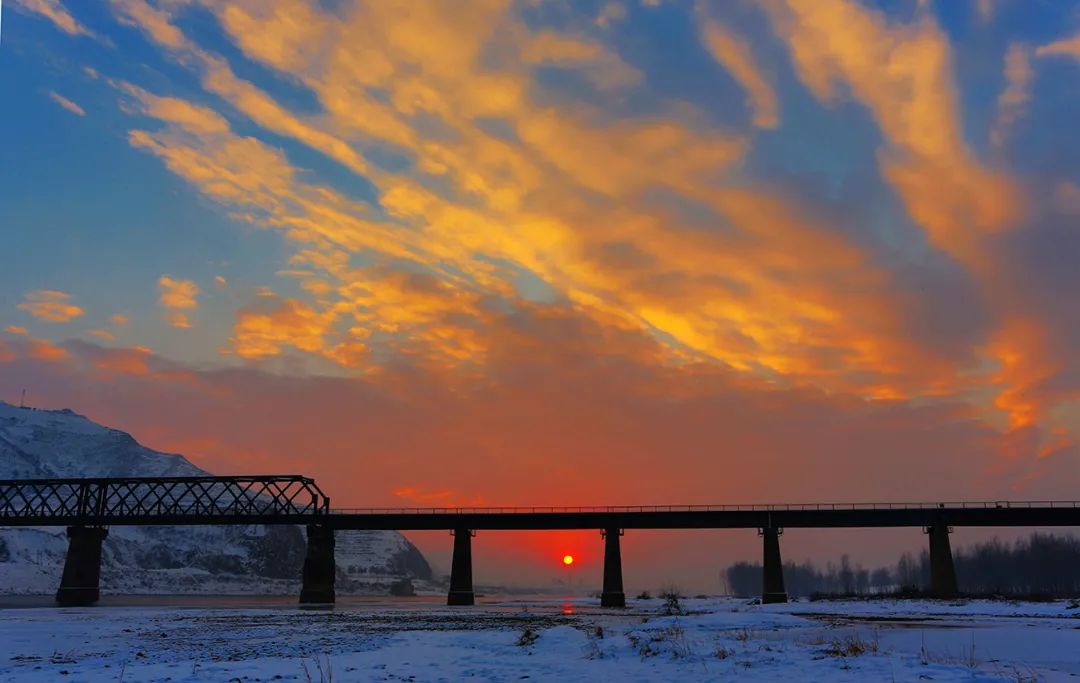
178 297
517 189
561 235
181 294
287 322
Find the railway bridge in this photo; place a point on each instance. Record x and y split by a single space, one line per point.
88 507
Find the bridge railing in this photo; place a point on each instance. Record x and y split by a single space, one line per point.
768 507
98 500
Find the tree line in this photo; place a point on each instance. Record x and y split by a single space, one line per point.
1040 565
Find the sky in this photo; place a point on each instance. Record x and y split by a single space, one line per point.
557 253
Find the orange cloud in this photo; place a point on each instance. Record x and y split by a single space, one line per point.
946 190
263 110
177 297
178 293
51 306
54 11
219 79
154 21
40 349
286 322
15 329
735 55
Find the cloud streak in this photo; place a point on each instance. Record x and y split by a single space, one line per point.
1013 100
67 104
55 12
735 55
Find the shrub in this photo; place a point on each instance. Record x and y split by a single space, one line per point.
671 596
527 637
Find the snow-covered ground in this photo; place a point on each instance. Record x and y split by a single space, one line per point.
546 640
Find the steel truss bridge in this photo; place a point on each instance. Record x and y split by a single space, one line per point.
88 506
290 499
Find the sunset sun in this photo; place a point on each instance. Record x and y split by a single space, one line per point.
568 560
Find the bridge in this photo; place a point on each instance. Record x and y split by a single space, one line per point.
87 507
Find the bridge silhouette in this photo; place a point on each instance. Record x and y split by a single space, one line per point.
87 507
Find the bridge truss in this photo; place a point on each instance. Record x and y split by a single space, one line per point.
161 500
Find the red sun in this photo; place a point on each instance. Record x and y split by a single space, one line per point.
568 560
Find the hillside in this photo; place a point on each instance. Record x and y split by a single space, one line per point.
251 559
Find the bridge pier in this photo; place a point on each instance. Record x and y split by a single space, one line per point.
772 578
319 566
80 583
943 582
613 595
461 584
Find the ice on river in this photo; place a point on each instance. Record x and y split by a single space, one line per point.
546 640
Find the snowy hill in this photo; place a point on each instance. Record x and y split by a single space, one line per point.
252 559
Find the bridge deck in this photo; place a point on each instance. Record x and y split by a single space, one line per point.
554 518
694 517
294 499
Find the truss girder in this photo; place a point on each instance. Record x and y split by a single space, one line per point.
112 500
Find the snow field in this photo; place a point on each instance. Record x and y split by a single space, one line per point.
714 639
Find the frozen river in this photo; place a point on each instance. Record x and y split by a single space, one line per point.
364 639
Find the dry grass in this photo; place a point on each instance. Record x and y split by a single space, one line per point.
852 645
320 666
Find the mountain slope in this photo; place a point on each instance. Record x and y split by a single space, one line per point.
251 559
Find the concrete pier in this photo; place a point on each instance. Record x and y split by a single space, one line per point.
612 595
772 584
319 566
461 583
80 583
943 582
